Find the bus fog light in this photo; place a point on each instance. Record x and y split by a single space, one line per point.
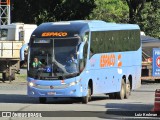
31 84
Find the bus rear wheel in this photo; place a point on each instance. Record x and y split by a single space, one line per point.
87 98
42 99
121 94
127 90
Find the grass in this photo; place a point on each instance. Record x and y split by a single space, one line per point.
21 78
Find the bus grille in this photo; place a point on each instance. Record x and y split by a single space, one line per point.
51 86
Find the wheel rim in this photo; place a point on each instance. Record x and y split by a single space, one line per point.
89 94
128 89
122 91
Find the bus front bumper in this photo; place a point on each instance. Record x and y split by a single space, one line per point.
71 91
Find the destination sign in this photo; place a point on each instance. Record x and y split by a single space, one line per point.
54 34
41 41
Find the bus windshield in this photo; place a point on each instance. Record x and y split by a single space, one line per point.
53 58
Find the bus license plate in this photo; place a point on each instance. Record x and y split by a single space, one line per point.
51 93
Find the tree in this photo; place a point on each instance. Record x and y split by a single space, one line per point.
110 10
19 11
34 11
135 8
150 18
146 14
38 11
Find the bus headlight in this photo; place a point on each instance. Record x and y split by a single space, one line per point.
74 83
31 84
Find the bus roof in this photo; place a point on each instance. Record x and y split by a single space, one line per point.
79 26
98 25
112 26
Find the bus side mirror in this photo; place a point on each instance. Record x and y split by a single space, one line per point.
80 51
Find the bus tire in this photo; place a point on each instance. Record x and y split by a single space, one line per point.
127 90
87 98
121 94
42 99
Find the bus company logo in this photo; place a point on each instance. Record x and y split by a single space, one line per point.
119 62
54 34
109 60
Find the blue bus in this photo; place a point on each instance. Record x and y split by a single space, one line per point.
78 59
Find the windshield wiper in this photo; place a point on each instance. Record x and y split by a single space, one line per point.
60 66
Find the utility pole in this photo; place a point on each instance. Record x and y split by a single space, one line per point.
4 12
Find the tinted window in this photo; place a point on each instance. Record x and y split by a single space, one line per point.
115 41
66 42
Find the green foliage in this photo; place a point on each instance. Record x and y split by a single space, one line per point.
146 13
142 12
34 11
110 10
150 18
135 8
38 11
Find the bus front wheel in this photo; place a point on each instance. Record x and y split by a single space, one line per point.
87 98
42 99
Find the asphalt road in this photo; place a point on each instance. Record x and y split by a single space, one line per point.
13 98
